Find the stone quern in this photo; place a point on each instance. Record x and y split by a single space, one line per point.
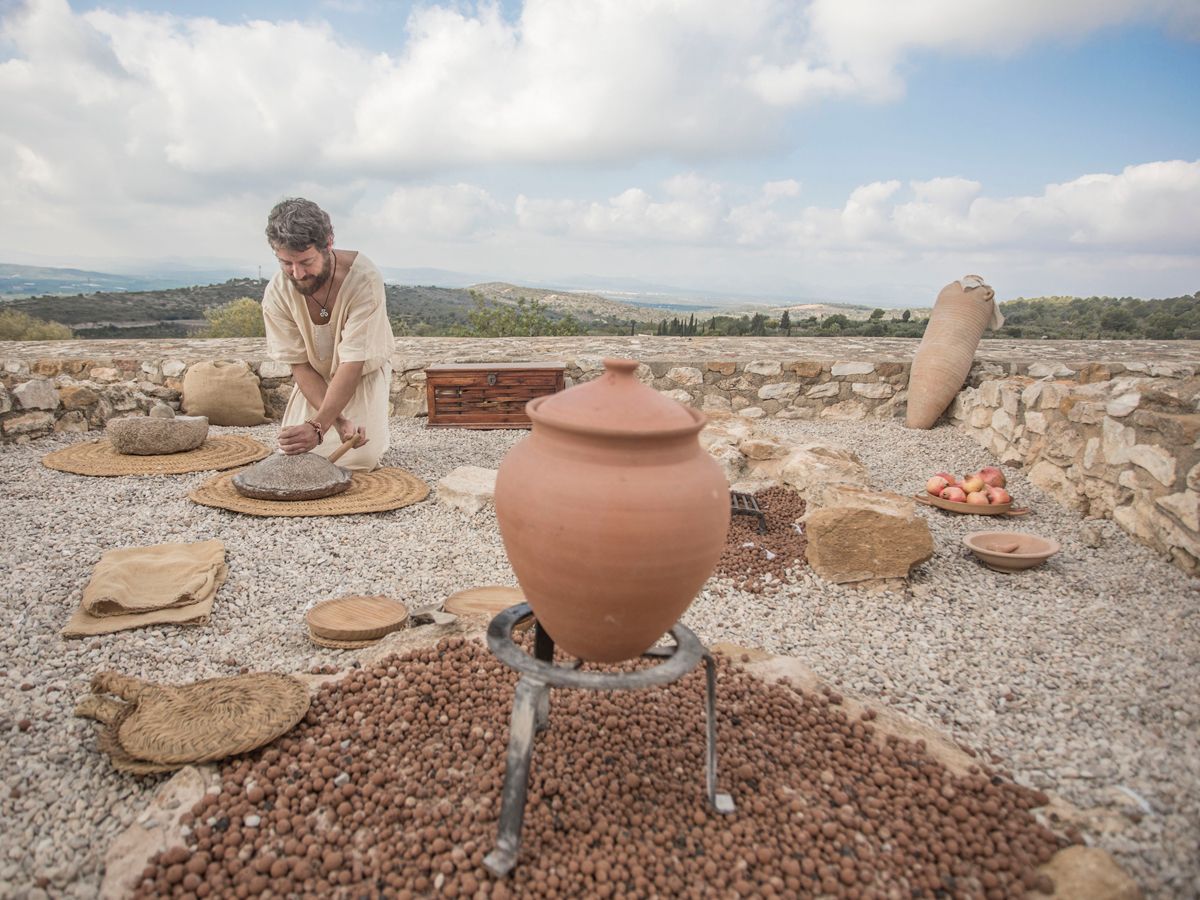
862 535
154 436
304 476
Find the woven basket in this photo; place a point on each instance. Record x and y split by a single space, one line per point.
963 310
205 721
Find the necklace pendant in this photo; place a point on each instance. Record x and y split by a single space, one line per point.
324 314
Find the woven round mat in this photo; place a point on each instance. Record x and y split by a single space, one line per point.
369 492
205 721
356 618
220 451
340 645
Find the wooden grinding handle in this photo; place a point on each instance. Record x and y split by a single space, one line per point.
347 444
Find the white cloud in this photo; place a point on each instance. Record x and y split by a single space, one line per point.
856 46
189 100
456 211
1151 209
138 134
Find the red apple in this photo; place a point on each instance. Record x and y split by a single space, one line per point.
936 485
954 493
998 495
992 476
950 479
977 498
972 484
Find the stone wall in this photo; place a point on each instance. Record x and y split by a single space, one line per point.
44 396
1111 428
1114 441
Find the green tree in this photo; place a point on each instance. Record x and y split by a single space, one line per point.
19 326
758 325
877 314
1118 320
906 315
237 318
785 323
527 318
835 322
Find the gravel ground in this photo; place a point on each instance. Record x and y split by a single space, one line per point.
1078 677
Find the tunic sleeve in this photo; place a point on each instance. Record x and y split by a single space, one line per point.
367 334
285 344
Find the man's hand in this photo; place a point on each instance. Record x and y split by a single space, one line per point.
346 428
298 439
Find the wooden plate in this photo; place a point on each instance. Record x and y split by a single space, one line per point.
356 618
481 601
977 509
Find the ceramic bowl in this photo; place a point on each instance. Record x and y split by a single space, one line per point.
1009 551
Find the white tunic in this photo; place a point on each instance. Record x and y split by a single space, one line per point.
358 331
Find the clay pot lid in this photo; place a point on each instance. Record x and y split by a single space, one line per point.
615 403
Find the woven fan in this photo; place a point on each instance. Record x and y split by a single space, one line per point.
205 721
110 713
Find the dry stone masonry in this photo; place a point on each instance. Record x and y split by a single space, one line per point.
1114 442
1111 428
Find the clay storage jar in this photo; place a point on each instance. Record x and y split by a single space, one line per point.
611 513
961 313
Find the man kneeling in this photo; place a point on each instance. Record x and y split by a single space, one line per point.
326 316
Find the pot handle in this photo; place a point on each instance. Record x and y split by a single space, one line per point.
347 444
102 709
123 686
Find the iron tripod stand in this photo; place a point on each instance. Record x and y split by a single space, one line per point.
531 711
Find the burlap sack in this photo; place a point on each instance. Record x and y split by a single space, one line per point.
224 391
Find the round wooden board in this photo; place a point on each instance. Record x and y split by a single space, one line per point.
483 601
356 618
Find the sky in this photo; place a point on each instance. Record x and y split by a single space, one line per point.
863 151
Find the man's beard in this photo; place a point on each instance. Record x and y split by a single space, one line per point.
310 287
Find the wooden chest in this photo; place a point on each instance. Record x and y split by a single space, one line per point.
487 395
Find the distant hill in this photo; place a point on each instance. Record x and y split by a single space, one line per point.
31 281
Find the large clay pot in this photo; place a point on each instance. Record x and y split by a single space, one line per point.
962 311
612 515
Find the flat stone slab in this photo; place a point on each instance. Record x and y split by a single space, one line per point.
468 489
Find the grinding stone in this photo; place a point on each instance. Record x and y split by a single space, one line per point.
305 476
155 436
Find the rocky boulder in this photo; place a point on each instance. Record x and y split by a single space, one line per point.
468 489
864 535
809 468
154 436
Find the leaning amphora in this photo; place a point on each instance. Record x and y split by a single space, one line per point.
612 515
961 313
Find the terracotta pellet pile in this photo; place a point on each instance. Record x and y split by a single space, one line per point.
754 561
391 787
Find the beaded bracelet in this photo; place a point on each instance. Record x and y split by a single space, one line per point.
317 428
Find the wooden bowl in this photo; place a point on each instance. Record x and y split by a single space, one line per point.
977 509
1010 551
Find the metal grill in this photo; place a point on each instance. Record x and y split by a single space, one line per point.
531 711
746 505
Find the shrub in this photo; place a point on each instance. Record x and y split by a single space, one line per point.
18 326
237 318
